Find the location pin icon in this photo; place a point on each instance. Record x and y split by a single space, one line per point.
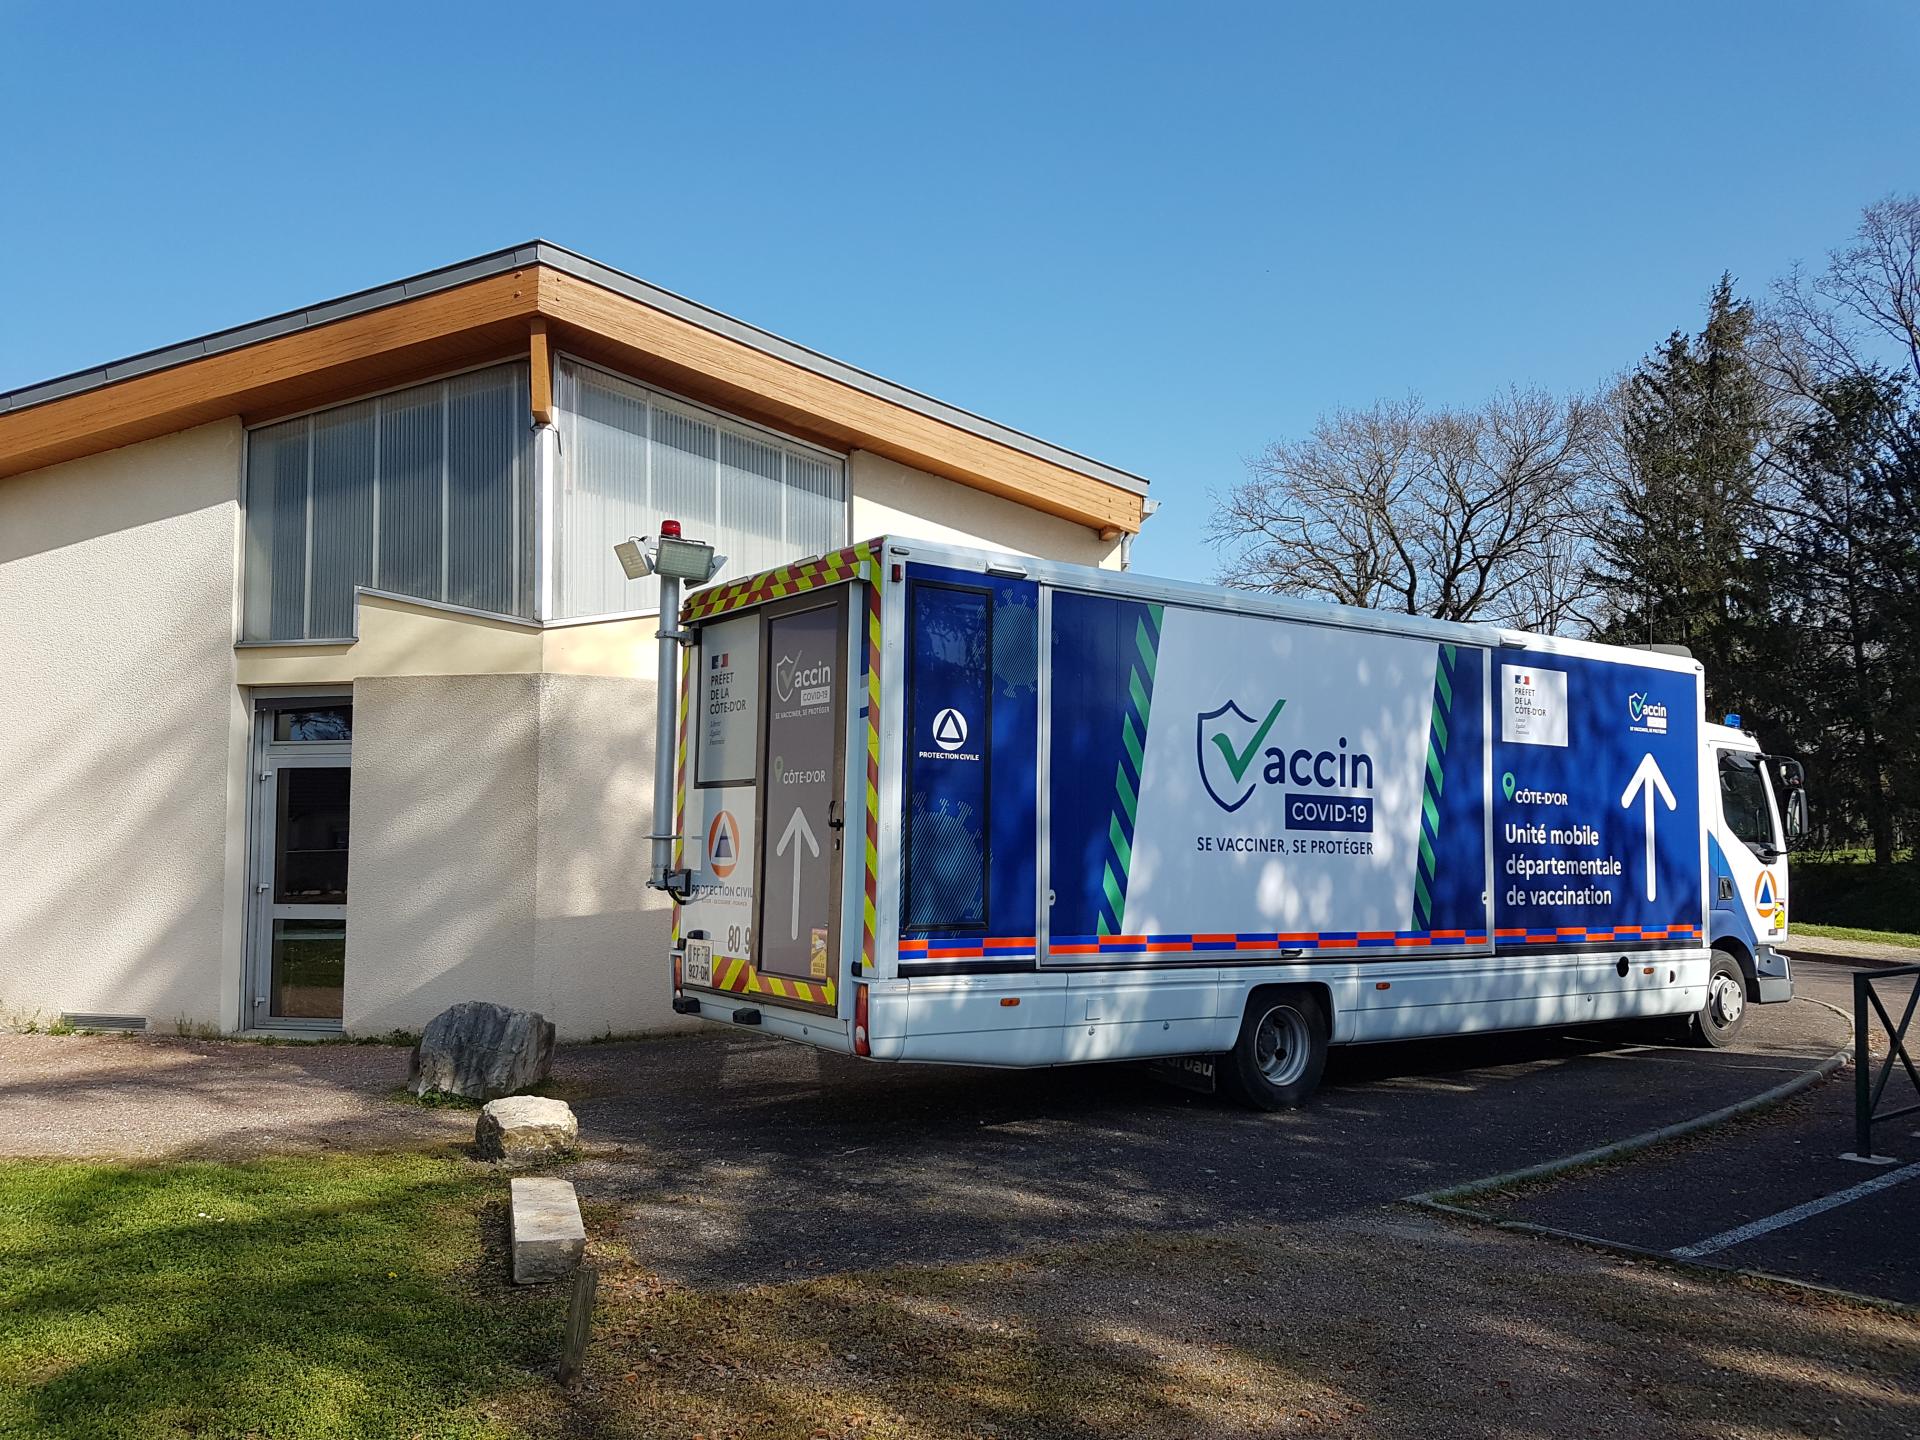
1506 784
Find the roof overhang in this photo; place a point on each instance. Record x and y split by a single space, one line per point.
529 300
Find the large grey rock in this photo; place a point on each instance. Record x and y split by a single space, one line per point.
481 1051
544 1229
524 1128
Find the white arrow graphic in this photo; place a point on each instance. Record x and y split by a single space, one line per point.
1648 778
798 826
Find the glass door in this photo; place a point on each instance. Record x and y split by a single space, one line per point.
296 970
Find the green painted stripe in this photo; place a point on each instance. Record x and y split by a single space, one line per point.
1450 653
1443 685
1433 816
1125 789
1426 853
1132 742
1433 769
1102 926
1144 643
1422 903
1142 701
1439 727
1120 846
1116 897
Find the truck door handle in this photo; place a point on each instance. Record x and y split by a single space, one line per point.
834 818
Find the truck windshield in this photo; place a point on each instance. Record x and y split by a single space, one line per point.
1743 799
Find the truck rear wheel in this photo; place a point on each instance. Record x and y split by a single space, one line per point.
1717 1023
1281 1052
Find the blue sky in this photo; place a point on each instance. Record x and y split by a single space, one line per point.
1160 234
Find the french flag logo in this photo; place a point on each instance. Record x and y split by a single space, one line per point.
719 661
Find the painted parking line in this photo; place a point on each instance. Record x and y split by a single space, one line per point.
1740 1234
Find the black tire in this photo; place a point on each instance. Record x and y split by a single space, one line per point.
1717 1024
1281 1052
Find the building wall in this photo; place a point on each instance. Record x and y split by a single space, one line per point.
602 936
894 499
502 772
440 878
499 852
122 747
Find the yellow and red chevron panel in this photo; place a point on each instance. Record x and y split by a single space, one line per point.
870 898
856 562
735 975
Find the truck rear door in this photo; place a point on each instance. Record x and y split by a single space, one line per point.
803 768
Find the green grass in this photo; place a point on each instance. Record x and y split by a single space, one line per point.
1848 932
301 1296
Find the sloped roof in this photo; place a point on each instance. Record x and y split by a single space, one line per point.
500 303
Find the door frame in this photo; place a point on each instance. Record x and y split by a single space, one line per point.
834 598
265 757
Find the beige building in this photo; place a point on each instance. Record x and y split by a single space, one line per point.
328 703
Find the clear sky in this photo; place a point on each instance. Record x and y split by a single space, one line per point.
1159 234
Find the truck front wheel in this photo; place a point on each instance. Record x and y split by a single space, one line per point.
1277 1061
1717 1023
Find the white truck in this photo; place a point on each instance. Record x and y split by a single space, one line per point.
946 805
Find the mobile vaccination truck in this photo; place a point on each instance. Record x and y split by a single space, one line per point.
945 805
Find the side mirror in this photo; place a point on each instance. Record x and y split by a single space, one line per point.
1796 816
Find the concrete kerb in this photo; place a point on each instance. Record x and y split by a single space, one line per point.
1445 1202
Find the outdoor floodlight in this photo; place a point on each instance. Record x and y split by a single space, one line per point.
633 558
670 556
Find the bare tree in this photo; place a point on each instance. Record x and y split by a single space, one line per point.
1459 514
1862 310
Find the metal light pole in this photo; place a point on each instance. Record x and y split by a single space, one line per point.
674 560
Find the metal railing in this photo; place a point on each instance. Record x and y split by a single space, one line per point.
1868 1088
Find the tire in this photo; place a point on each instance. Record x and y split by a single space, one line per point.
1717 1024
1281 1052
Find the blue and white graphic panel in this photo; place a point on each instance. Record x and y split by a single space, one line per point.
1224 782
1596 801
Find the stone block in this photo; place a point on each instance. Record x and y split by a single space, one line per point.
546 1234
524 1129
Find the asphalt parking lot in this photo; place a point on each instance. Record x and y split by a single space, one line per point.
1777 1193
735 1159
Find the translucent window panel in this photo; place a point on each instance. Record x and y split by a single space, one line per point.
486 569
427 492
309 969
345 450
603 499
753 501
413 432
310 835
631 458
275 601
682 469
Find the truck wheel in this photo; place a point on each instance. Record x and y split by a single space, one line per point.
1281 1051
1717 1023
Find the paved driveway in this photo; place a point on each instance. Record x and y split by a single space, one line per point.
741 1158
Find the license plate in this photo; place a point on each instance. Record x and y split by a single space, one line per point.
697 967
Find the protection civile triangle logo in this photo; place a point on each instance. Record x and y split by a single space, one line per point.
950 729
723 844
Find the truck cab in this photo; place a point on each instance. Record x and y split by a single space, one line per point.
1756 809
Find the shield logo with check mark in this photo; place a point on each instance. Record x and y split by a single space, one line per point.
1228 740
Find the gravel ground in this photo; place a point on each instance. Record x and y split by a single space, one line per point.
140 1097
1382 1325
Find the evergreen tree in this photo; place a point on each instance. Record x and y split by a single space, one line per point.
1846 551
1673 554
